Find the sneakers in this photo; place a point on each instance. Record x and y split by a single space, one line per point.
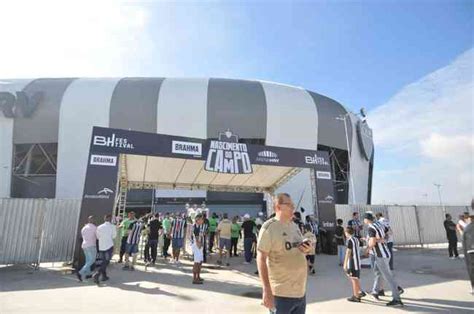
395 303
353 299
79 276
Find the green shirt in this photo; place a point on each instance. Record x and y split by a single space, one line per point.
125 224
166 225
212 224
235 230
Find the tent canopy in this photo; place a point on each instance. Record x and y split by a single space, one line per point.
176 173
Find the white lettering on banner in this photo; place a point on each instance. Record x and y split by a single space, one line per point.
112 141
187 148
316 160
267 156
327 200
101 160
228 157
105 193
328 224
326 175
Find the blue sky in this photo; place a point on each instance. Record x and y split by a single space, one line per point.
410 63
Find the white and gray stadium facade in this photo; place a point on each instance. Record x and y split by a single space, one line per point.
46 125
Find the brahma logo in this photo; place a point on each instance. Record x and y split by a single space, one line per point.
101 160
112 141
316 160
227 155
267 156
105 193
187 148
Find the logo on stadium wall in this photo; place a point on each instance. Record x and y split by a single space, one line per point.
187 148
227 155
327 200
366 143
112 141
104 193
102 160
19 104
316 160
267 156
325 175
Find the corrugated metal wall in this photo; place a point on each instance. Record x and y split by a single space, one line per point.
410 224
37 230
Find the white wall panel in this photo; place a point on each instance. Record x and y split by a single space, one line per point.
86 103
182 107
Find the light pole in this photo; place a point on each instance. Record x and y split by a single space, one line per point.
439 194
344 118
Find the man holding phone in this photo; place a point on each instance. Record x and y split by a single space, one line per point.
281 260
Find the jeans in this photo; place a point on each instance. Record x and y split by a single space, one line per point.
390 248
248 249
105 257
341 251
90 253
285 305
381 269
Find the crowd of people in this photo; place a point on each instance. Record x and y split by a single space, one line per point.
284 246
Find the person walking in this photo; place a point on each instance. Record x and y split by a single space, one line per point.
213 221
235 236
388 235
249 237
281 260
89 247
154 227
352 265
124 229
450 228
380 253
340 238
224 232
196 240
178 233
105 234
166 223
356 225
133 240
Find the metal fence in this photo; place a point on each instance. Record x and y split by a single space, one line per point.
37 230
411 225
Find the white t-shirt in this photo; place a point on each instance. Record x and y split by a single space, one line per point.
386 223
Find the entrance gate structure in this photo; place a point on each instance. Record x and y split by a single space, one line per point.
120 160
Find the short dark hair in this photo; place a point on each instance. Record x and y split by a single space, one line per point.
378 215
108 217
198 216
339 221
447 215
349 230
355 213
224 215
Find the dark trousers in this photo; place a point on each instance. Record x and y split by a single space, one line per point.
151 245
123 246
166 245
233 246
390 248
204 250
470 267
453 247
212 236
248 249
104 257
285 305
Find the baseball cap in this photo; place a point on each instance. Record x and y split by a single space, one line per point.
246 216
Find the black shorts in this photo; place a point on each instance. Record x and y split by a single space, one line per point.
352 273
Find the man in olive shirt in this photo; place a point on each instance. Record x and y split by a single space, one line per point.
212 230
281 260
224 232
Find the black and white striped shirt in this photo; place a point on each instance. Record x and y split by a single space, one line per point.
135 232
377 230
353 245
178 228
197 233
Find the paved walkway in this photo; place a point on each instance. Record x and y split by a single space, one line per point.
433 283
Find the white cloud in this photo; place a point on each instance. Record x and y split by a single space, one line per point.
427 125
66 38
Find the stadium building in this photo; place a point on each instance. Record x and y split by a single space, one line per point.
46 126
